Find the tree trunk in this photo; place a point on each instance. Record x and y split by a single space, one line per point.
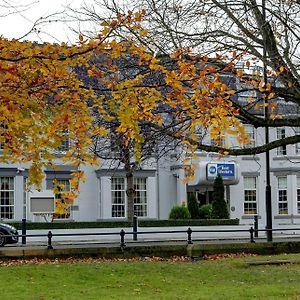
130 194
130 191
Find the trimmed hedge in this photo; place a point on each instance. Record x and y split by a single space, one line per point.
123 224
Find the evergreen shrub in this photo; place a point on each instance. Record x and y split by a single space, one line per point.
205 211
179 212
193 206
219 205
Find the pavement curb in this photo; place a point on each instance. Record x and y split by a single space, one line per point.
146 250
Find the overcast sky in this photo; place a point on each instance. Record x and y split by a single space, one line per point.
18 17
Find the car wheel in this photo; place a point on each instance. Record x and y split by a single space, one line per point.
2 239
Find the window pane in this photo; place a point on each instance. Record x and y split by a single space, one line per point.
282 182
118 197
7 197
282 196
250 200
298 182
140 199
249 182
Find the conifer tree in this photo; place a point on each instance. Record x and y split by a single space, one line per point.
219 206
193 206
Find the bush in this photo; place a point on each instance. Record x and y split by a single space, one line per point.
219 205
205 211
179 212
193 206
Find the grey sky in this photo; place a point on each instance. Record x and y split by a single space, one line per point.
18 17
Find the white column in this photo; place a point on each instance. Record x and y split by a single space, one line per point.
181 188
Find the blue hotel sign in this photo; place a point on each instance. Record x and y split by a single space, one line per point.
227 170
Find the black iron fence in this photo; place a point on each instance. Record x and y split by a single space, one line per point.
253 233
135 232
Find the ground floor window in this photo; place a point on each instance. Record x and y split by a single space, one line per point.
250 200
118 196
140 200
282 196
298 195
64 186
7 196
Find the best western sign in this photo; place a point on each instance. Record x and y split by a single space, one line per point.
226 170
206 172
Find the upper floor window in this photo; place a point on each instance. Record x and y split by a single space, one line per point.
3 139
250 132
282 195
297 132
65 142
219 142
280 135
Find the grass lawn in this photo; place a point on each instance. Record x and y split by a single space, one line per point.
230 278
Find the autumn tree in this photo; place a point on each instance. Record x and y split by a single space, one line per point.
44 99
242 33
151 91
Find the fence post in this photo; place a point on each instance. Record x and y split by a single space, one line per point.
189 233
122 234
256 226
23 231
135 227
50 240
251 235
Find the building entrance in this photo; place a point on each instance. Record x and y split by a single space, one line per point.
203 197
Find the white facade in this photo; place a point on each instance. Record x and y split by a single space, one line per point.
160 186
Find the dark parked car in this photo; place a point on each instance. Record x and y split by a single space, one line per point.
11 232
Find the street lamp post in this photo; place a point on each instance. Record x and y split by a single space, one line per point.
268 181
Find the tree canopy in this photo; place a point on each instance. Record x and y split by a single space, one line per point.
119 83
246 34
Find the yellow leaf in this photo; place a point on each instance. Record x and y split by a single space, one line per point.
271 95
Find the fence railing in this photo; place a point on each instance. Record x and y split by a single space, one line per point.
253 232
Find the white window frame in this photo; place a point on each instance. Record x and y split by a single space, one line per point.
282 195
118 207
7 211
220 142
2 134
140 199
65 143
298 195
281 133
297 145
250 195
250 132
